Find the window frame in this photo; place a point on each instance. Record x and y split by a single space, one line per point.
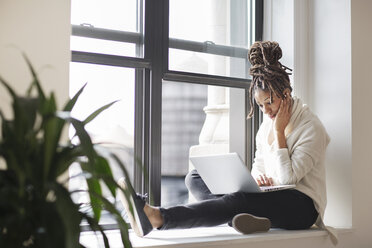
152 43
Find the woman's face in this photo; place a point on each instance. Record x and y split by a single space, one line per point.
268 107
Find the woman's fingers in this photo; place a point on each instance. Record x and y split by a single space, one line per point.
289 103
271 181
263 180
284 113
268 181
259 182
281 107
285 105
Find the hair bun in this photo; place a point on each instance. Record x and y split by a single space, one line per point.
264 53
267 72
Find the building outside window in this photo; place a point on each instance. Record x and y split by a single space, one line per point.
179 71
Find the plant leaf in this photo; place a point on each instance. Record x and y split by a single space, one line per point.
29 105
85 140
24 110
65 158
35 79
130 188
71 103
97 112
123 226
69 213
51 135
16 107
124 170
7 86
103 169
94 189
6 129
93 223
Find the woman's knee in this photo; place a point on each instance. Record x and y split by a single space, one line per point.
197 187
235 198
297 222
191 179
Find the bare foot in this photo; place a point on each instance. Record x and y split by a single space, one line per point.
154 215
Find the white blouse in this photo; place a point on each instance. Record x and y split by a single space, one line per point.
302 163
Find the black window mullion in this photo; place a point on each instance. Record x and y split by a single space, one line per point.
146 135
197 78
140 28
257 118
156 40
259 18
208 47
106 34
107 59
139 106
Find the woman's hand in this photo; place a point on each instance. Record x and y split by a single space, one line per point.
284 114
263 180
282 119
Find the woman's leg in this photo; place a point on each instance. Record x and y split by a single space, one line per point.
289 209
197 187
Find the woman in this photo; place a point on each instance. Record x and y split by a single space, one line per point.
291 145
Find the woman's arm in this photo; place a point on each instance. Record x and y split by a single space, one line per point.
291 166
281 121
258 166
309 145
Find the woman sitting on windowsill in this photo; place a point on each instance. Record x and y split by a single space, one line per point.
291 146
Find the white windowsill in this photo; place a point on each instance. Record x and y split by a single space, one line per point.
221 235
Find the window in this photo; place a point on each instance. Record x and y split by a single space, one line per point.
179 71
204 88
107 54
214 41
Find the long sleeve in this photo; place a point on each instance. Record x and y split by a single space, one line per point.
292 166
258 166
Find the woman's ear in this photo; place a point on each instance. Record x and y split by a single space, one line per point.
287 92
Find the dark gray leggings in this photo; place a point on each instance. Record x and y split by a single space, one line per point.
288 209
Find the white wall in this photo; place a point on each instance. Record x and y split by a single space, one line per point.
313 35
340 84
286 22
361 54
278 26
338 90
329 97
41 29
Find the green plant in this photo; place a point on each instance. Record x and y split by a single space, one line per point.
36 210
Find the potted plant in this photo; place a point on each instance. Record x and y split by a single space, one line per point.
36 209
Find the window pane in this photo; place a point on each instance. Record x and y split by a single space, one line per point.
104 85
108 14
106 22
84 44
114 127
196 120
216 27
181 60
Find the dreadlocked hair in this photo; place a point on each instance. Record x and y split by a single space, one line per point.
268 74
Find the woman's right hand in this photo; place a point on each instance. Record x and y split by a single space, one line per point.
284 113
263 180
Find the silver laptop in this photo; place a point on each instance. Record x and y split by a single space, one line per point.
226 173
